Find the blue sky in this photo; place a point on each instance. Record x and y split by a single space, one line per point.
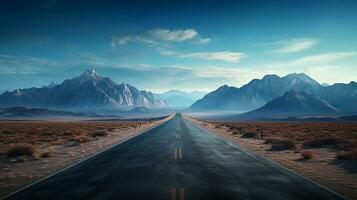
161 45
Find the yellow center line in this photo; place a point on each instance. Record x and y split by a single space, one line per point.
175 154
180 153
173 194
182 194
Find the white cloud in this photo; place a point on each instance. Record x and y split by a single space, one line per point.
154 36
130 39
174 35
293 45
324 58
226 56
204 40
336 58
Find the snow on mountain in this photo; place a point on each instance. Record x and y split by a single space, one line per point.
89 90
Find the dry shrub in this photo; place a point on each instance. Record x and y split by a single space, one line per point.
100 133
111 129
269 140
235 132
249 135
325 141
47 153
21 149
350 155
307 154
82 139
281 144
218 126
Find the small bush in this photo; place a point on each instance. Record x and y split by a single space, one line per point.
307 154
111 129
82 139
350 155
21 149
249 135
235 133
100 133
333 141
282 144
47 153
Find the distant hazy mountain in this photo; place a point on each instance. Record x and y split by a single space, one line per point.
260 91
20 112
177 98
86 91
256 93
293 104
342 96
140 110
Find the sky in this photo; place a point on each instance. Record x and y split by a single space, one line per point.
187 45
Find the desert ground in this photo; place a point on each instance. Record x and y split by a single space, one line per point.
325 152
31 150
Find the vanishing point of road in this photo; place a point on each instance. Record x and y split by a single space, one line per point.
176 160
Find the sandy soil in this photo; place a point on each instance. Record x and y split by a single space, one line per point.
323 168
18 171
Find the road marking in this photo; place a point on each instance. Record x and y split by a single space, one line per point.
175 154
173 194
178 136
181 193
179 153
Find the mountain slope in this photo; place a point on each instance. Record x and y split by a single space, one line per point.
293 104
256 93
177 98
88 90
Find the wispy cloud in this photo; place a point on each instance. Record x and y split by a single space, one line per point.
174 35
131 39
154 36
10 64
318 60
324 58
293 45
226 56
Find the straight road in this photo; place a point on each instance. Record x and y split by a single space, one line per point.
175 161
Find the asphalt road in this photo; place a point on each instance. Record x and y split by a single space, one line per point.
175 161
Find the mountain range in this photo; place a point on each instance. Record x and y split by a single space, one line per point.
181 99
293 104
87 91
259 92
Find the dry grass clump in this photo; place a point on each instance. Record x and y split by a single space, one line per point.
350 155
47 153
279 144
21 150
307 154
249 135
335 142
100 133
318 142
82 139
111 129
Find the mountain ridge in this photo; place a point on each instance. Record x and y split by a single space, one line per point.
89 90
293 104
258 92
